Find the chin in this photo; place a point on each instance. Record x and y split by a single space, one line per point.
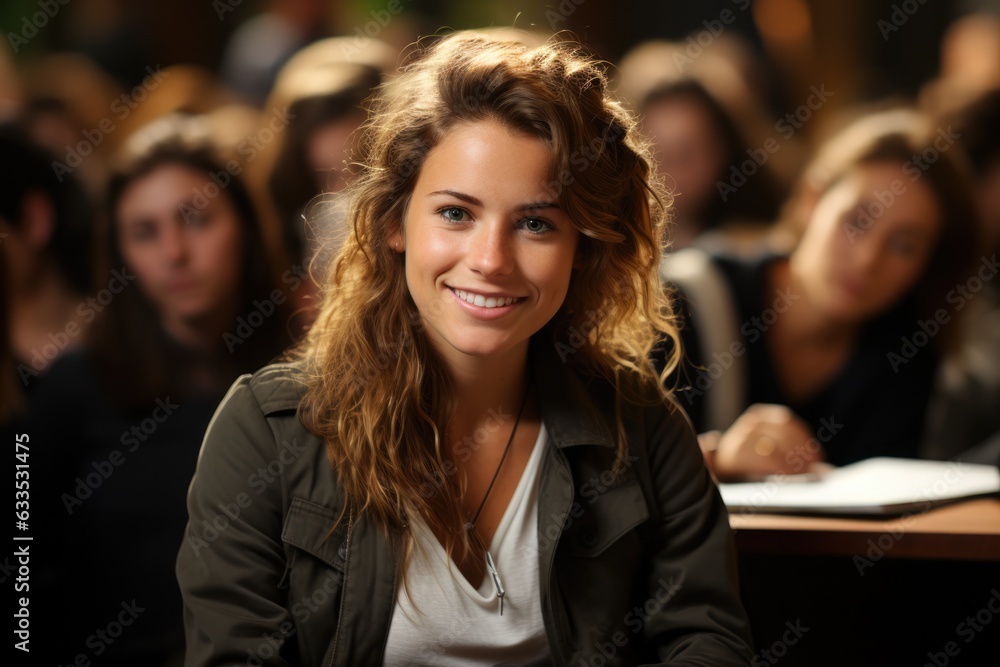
476 344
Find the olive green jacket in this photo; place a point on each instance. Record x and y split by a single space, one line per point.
638 570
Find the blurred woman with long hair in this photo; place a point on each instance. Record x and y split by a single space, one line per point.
185 305
827 352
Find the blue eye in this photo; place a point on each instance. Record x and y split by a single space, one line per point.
453 214
537 225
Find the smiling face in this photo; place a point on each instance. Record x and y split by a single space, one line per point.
488 252
189 266
868 241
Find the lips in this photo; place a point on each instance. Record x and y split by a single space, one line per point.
855 288
182 285
485 300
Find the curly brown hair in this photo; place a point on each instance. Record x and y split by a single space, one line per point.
376 393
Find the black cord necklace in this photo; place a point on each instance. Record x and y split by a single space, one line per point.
471 526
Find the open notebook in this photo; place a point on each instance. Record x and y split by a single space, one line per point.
877 486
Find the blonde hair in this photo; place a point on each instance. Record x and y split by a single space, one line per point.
375 391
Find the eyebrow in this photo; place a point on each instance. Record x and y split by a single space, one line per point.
476 202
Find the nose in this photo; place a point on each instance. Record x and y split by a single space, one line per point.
175 244
491 250
867 254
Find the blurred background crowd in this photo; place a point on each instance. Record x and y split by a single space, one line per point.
170 179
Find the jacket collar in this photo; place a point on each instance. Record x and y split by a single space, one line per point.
573 412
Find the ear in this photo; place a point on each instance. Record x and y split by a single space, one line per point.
38 220
396 241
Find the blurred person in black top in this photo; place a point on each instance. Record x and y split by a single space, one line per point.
46 226
830 351
963 419
116 426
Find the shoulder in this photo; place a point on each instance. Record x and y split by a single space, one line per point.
71 381
76 365
276 387
259 410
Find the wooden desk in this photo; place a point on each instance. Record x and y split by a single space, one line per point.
879 592
968 530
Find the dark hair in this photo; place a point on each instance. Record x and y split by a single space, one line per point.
978 125
130 325
26 168
12 398
292 182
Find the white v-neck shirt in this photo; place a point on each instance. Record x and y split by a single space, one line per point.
458 625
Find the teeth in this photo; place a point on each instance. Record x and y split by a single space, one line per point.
484 302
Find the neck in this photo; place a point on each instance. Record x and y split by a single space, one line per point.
202 333
40 303
487 391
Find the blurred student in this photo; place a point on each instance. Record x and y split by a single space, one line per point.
963 416
45 235
829 352
262 45
318 98
116 426
699 145
75 110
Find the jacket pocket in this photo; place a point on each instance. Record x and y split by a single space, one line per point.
603 518
314 576
308 527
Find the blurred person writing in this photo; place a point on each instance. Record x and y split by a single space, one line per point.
829 352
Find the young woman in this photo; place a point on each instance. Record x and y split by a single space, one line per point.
698 140
115 425
829 352
471 460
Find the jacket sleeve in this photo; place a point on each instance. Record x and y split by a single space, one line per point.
231 560
694 569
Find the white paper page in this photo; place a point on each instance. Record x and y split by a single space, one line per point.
870 486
